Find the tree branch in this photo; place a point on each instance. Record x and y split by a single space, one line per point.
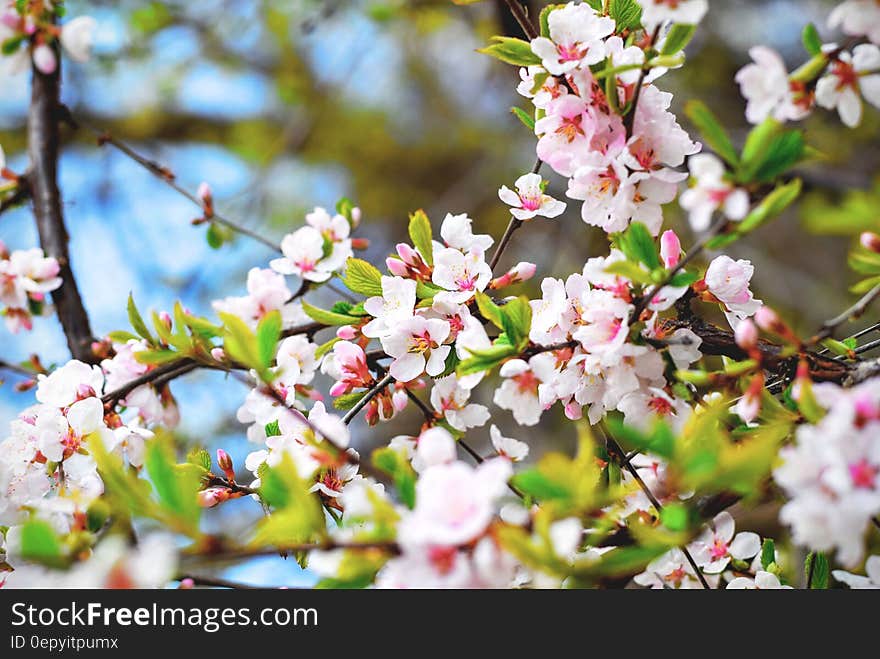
43 144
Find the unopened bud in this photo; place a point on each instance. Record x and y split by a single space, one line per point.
355 216
870 241
165 319
346 332
218 354
360 244
84 391
670 249
396 267
767 319
186 584
205 194
407 253
225 463
746 334
213 496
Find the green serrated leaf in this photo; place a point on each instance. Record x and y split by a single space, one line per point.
511 51
325 317
638 245
362 277
268 333
421 235
627 14
768 553
817 571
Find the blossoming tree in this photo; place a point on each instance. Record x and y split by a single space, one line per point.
678 418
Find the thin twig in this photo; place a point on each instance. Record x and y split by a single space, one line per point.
367 397
522 17
630 118
850 314
625 463
165 175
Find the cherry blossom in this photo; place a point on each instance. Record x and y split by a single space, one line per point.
417 347
457 232
711 192
576 38
766 87
529 199
462 275
717 546
396 305
77 36
857 581
267 292
689 12
849 78
728 281
762 581
527 388
857 18
450 399
508 447
671 570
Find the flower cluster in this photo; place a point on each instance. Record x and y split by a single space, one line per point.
831 473
621 173
28 32
319 249
25 278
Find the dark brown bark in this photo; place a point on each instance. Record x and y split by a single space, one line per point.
43 145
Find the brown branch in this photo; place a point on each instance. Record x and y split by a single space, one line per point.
522 17
43 144
512 226
850 314
630 118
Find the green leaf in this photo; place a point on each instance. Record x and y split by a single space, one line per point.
638 245
544 19
516 318
850 215
268 333
711 131
758 140
535 484
626 13
239 342
215 236
629 270
682 279
817 563
298 516
768 553
771 206
426 290
783 152
677 38
156 357
865 285
527 120
176 488
511 51
421 235
121 336
395 464
362 277
811 39
137 321
40 543
675 517
489 310
200 457
349 400
272 429
485 360
325 317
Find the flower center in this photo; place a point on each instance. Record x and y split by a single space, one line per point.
527 382
571 128
863 474
571 52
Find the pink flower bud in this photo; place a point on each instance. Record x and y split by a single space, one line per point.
44 59
187 584
670 249
212 496
523 271
356 216
205 194
360 243
84 391
4 251
396 267
870 241
218 354
165 319
407 253
338 389
400 400
346 332
746 334
767 319
225 463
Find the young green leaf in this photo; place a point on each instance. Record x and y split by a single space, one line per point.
421 235
817 571
811 39
711 131
511 51
40 543
137 321
638 245
268 333
362 277
527 120
626 13
768 553
677 38
325 317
